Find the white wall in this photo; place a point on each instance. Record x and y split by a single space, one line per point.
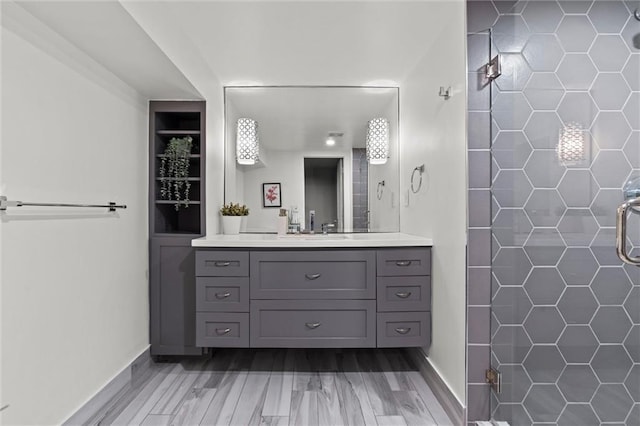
433 132
74 282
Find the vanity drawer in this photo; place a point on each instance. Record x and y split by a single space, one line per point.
313 324
222 330
404 329
222 294
404 293
217 263
313 275
399 262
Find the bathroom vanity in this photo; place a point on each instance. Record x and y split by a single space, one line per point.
313 291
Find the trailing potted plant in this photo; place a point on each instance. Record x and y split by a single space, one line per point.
232 217
174 171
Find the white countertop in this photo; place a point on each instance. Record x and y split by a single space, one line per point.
373 239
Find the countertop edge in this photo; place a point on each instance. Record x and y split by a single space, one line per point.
273 241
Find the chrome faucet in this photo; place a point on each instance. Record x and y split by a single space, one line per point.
325 227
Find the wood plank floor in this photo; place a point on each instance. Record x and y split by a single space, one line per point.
278 387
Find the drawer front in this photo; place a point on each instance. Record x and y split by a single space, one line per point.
313 275
213 263
404 329
404 293
222 330
222 294
401 262
313 324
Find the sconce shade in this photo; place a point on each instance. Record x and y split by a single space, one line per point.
377 141
571 144
247 141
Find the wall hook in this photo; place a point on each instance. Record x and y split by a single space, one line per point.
445 93
380 189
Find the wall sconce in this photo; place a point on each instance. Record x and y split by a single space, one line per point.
571 149
247 141
377 141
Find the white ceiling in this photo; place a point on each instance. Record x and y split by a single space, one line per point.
264 42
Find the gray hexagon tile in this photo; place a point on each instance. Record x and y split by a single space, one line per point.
544 287
609 52
608 16
612 403
510 6
577 344
577 71
604 206
543 129
575 6
544 324
544 403
632 110
632 305
511 305
578 227
578 383
510 344
515 72
632 344
577 266
579 108
634 414
610 169
481 15
576 33
544 91
578 414
610 91
510 33
515 383
511 150
610 129
511 266
632 149
511 188
515 414
631 72
632 383
611 324
545 207
511 227
631 36
511 110
544 363
611 285
544 169
577 305
578 188
542 17
544 247
543 52
611 363
603 247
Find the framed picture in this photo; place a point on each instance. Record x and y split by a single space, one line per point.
271 195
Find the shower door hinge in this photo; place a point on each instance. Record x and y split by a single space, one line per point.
493 69
494 378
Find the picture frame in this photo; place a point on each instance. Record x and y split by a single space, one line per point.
271 195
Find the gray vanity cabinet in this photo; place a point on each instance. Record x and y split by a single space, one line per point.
313 298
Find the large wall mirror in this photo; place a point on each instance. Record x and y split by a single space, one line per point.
330 150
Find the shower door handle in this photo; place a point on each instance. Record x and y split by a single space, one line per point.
621 231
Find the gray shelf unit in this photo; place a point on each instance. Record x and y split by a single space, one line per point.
171 257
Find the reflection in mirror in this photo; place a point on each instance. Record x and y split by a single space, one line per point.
316 142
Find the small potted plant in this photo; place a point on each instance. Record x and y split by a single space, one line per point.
232 217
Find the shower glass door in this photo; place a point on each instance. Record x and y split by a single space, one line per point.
565 313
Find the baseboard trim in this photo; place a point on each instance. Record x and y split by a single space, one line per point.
447 399
128 374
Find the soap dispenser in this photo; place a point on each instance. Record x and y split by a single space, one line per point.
283 222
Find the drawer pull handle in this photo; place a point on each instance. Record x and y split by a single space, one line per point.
222 331
312 276
222 295
222 264
312 325
403 330
403 262
403 295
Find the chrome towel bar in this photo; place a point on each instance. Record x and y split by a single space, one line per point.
4 203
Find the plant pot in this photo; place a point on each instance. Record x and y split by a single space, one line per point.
231 225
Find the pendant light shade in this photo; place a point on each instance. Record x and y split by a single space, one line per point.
247 141
377 141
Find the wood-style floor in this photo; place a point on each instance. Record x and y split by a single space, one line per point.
304 387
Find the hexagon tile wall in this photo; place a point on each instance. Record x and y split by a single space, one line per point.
550 305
